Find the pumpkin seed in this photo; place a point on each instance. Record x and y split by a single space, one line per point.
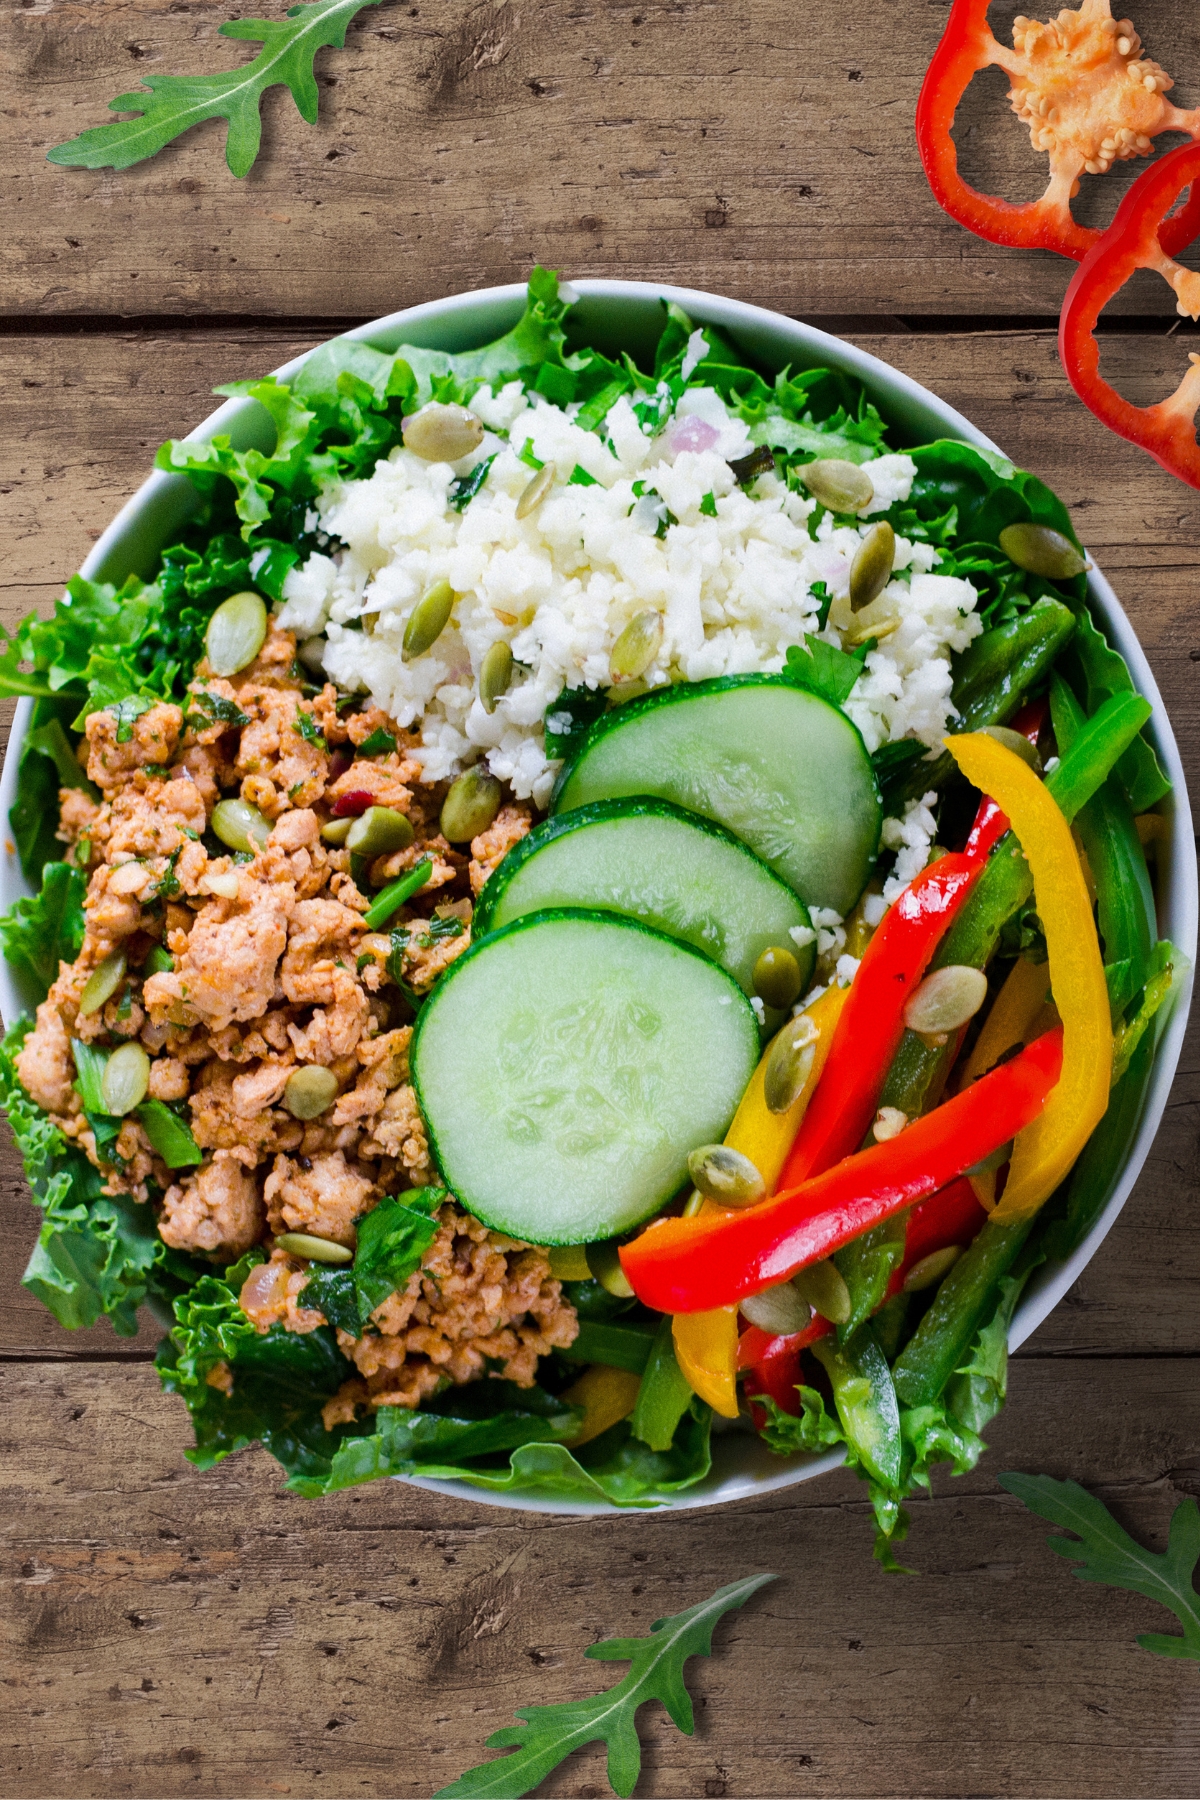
240 825
378 831
495 673
535 492
310 1091
822 1287
636 647
777 977
931 1268
442 433
315 1249
1040 550
840 486
789 1063
726 1175
605 1264
427 621
946 999
337 831
1017 743
125 1080
236 632
871 569
779 1310
102 983
568 1262
471 805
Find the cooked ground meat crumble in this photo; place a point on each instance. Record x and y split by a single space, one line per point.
274 969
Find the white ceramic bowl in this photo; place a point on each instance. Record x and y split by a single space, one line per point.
629 313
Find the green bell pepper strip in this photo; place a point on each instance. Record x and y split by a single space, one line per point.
941 1340
1124 898
993 677
918 1072
664 1395
865 1397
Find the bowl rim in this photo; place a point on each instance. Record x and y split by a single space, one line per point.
480 311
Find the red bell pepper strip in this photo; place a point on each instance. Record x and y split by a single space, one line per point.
953 1216
1140 237
1088 96
872 1023
690 1265
777 1370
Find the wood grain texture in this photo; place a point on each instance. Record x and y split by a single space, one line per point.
753 147
173 1633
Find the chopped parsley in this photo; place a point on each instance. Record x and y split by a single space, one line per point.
305 726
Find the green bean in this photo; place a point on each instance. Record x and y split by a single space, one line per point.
865 1397
866 1265
937 1347
1091 1182
664 1395
1124 897
992 678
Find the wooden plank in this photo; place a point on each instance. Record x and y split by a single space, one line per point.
751 147
172 1632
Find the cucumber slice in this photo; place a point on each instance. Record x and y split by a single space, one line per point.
778 766
566 1065
654 862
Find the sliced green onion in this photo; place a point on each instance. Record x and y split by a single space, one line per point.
393 898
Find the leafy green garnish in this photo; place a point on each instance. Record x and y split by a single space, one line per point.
175 103
548 1734
214 709
392 1239
305 726
1106 1553
38 933
380 743
467 486
824 669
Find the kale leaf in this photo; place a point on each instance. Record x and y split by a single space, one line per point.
38 933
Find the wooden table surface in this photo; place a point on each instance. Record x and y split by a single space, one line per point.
174 1633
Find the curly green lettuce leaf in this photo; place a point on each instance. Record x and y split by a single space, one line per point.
1105 1552
548 1734
168 105
40 931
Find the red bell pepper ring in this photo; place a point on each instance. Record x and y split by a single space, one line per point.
692 1265
1074 85
872 1021
1140 237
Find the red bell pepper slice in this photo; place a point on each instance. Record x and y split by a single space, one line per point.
775 1368
1140 237
1072 84
691 1265
953 1216
872 1023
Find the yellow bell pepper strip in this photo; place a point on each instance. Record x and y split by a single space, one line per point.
1014 1009
706 1351
1048 1146
706 1343
766 1137
606 1395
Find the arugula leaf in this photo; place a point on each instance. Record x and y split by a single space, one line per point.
1106 1553
548 1734
392 1239
38 933
824 669
175 103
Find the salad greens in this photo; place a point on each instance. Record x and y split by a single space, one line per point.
1104 1551
548 1734
125 645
